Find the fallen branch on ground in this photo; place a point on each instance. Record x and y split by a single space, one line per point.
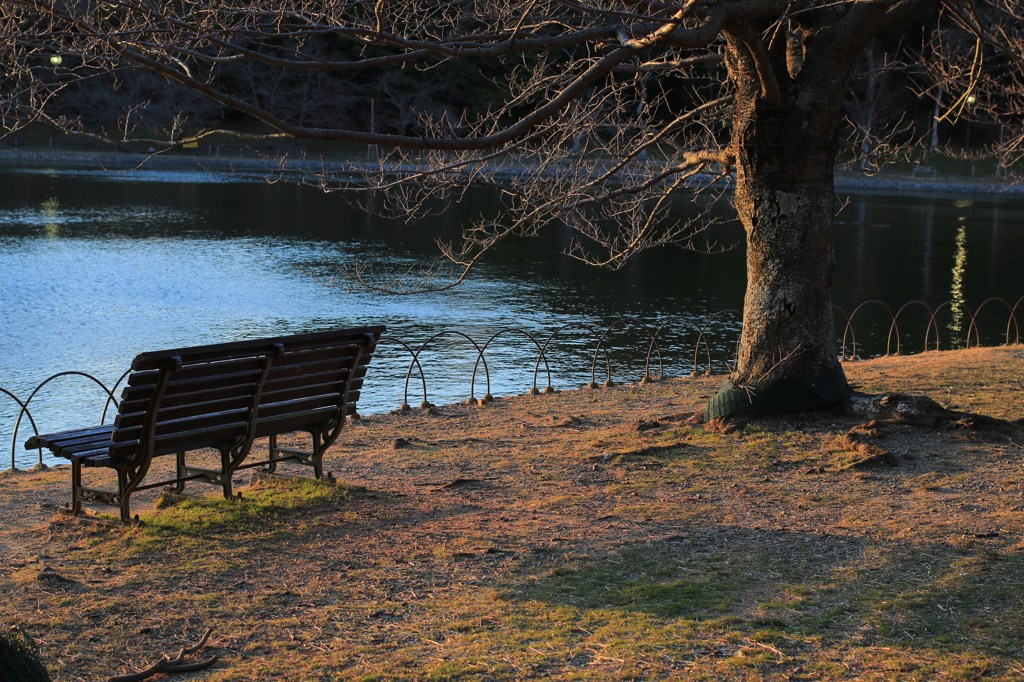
172 666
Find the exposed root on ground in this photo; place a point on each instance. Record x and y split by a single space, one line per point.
918 410
889 408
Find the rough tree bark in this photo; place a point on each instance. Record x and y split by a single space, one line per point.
784 140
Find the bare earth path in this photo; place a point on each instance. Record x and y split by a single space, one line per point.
584 535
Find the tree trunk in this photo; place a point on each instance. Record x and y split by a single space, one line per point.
784 148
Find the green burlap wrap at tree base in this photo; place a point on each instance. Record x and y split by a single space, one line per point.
783 395
19 658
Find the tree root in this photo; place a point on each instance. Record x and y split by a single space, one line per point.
172 666
914 410
858 441
888 408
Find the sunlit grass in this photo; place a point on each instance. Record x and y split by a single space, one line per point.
260 512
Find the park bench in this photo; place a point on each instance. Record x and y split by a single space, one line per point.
221 397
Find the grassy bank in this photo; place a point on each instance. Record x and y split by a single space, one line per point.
584 535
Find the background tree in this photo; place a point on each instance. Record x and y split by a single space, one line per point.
879 109
596 115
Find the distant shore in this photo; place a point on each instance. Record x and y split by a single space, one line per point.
234 161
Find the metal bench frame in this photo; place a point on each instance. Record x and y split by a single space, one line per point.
130 444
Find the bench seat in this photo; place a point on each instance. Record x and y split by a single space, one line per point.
221 397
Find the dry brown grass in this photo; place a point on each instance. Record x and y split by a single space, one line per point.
584 535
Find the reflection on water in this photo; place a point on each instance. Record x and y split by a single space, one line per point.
50 208
95 268
956 324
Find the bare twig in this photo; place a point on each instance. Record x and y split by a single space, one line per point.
172 666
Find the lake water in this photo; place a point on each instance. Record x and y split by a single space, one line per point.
96 267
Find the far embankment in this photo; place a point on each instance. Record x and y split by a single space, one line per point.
271 162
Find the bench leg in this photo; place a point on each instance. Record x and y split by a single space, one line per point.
179 485
225 475
273 452
319 446
76 488
123 495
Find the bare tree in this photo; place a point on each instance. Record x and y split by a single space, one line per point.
876 108
602 112
982 84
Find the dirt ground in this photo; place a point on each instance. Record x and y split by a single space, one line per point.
582 535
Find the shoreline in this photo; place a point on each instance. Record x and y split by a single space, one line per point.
245 166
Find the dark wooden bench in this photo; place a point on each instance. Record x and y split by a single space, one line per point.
221 397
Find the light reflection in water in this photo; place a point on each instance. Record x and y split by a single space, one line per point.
51 214
956 324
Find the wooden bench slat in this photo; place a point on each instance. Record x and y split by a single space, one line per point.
153 359
284 369
240 383
98 459
82 453
275 384
303 355
182 440
51 439
201 370
184 404
285 392
295 421
241 379
189 397
297 406
140 386
182 411
299 388
299 421
72 445
169 427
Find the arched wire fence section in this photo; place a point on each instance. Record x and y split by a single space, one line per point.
1013 319
416 362
894 329
849 330
23 411
702 339
26 412
110 399
714 347
603 346
494 337
575 326
654 345
935 316
973 329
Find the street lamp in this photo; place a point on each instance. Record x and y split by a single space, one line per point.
971 99
55 61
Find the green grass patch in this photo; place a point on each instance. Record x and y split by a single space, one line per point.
255 513
692 578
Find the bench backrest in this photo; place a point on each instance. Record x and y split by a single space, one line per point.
225 395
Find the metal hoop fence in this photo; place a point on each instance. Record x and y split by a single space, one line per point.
713 348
